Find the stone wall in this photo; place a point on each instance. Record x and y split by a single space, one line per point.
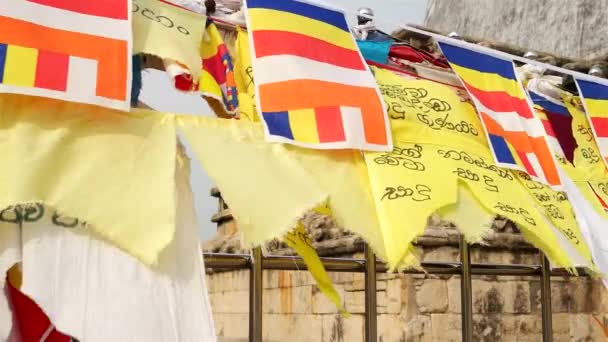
569 28
412 307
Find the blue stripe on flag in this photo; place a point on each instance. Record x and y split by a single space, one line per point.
325 15
501 149
278 124
2 60
592 90
478 61
548 105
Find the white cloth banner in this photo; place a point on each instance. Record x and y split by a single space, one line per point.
93 291
594 227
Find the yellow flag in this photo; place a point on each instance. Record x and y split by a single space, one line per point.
169 32
440 147
111 169
299 240
243 76
289 181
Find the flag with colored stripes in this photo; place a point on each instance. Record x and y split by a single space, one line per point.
595 101
69 50
313 87
516 136
557 121
217 79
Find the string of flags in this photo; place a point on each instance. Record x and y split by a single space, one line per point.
479 143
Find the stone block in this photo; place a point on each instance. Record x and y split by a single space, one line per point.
446 327
583 328
292 328
561 323
381 302
355 301
487 297
322 305
440 254
288 300
394 297
391 328
380 285
432 296
233 326
453 284
230 302
357 284
337 328
419 329
387 276
488 328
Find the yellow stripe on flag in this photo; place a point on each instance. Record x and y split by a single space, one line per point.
488 81
299 241
20 66
267 19
303 123
597 108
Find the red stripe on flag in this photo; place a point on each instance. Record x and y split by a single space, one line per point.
501 101
52 70
272 43
549 128
527 164
116 9
604 205
600 125
215 65
329 124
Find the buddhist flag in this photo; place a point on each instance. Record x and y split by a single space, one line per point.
595 101
69 50
217 80
516 136
313 87
557 121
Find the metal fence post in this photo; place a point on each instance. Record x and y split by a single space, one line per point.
466 292
545 297
255 296
371 317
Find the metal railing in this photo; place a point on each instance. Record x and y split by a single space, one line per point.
256 263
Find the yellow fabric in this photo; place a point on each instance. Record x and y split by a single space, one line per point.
288 180
160 29
300 242
112 169
243 77
439 146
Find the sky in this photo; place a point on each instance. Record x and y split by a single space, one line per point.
159 93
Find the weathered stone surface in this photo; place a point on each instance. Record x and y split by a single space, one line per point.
292 328
446 327
432 296
322 305
336 328
570 28
418 329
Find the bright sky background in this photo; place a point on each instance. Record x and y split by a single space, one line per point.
159 93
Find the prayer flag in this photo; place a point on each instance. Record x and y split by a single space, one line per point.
595 101
517 137
69 50
312 84
217 80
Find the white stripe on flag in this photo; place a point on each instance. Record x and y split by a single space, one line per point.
82 77
66 20
272 69
555 146
602 143
513 122
353 126
540 174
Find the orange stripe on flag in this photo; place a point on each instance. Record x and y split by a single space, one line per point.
110 53
288 95
523 143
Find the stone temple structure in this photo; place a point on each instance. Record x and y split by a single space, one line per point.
569 28
411 308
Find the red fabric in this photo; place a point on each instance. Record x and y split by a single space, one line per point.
31 322
410 54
